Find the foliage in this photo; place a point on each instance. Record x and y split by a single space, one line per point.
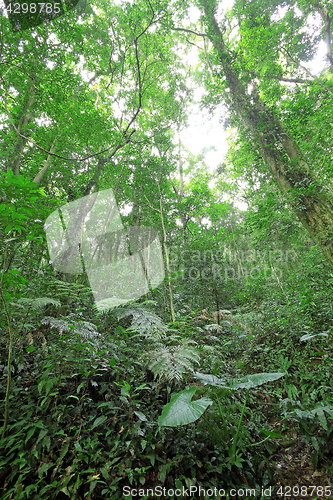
101 98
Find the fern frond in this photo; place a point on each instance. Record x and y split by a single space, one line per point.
212 328
59 324
69 290
154 336
172 362
141 316
83 328
144 322
37 303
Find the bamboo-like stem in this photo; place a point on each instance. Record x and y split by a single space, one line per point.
160 211
9 361
167 258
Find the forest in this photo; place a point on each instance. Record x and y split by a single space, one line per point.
166 249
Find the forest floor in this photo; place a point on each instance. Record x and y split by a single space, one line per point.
83 421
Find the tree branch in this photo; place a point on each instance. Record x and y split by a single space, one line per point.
189 31
102 162
59 156
299 65
291 80
207 58
151 206
175 189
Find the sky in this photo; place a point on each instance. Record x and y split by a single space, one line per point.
205 131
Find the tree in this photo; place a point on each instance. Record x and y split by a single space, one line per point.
309 198
72 136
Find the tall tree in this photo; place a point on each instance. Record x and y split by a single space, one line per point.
310 199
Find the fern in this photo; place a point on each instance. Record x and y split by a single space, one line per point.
171 362
28 310
69 290
83 328
143 321
36 304
212 328
167 354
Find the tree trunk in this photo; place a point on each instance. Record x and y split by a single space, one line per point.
47 163
180 194
327 28
172 310
311 202
24 120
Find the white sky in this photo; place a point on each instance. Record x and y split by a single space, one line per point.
204 131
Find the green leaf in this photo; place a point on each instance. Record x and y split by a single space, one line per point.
79 387
92 486
141 416
315 443
250 381
47 442
309 336
322 418
63 451
105 473
41 385
49 384
42 434
181 410
179 484
30 433
17 215
271 434
98 421
210 379
30 348
44 468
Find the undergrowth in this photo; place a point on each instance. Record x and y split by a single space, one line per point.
86 397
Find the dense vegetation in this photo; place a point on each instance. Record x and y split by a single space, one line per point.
219 376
